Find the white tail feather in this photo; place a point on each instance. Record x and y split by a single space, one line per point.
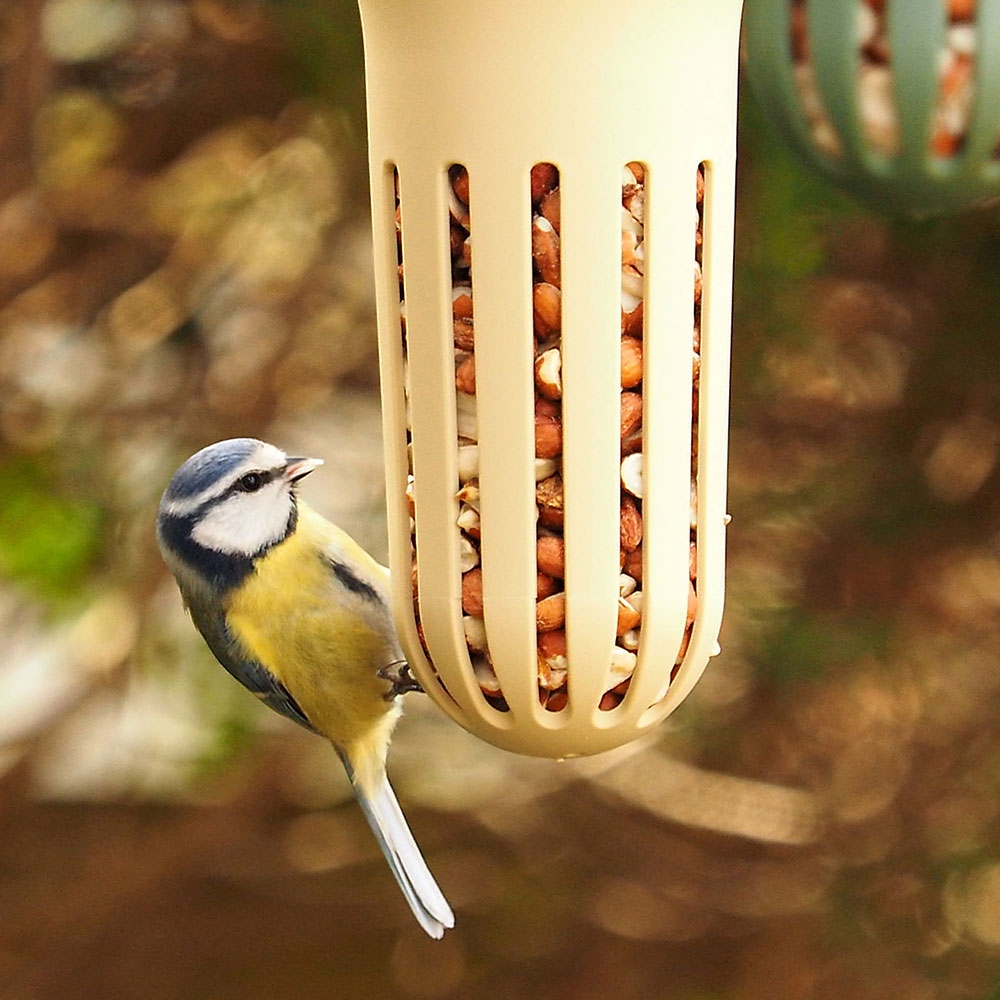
389 825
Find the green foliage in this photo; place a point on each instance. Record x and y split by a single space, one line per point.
48 537
323 42
805 647
786 219
790 206
234 733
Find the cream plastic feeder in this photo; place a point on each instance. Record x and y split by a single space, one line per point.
479 92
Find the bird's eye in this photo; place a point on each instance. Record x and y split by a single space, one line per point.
251 482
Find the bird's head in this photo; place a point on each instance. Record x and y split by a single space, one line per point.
227 505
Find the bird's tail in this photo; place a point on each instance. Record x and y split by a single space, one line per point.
385 817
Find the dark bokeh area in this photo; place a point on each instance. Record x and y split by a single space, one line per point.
185 255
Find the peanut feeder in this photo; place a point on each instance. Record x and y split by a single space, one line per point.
552 196
896 101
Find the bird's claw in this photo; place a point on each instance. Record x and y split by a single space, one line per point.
399 676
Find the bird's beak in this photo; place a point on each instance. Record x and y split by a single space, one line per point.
299 468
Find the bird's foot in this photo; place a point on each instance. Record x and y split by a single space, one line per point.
398 674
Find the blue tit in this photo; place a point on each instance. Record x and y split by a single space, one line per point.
298 613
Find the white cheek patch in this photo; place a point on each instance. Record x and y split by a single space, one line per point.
245 523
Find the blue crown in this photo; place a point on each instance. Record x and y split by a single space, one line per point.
208 466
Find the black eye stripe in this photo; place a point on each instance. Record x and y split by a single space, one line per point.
250 482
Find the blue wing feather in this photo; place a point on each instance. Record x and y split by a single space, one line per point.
254 676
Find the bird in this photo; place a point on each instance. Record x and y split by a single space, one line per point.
298 613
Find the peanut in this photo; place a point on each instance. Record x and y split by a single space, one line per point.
548 437
464 336
544 177
630 525
465 375
631 247
550 612
546 300
628 617
552 644
631 413
632 474
550 555
472 593
549 497
631 362
461 302
545 586
460 182
550 208
633 564
475 633
637 170
613 698
545 250
468 554
546 407
548 373
557 700
486 678
632 319
458 207
552 659
629 640
468 521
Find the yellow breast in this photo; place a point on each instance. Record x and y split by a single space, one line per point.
323 640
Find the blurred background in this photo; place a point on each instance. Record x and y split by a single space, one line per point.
185 256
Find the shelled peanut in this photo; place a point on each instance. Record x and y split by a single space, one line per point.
550 547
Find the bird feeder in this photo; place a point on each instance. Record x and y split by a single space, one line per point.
896 102
552 194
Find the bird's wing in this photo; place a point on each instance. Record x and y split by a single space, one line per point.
254 676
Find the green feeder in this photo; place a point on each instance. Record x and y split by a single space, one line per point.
896 102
